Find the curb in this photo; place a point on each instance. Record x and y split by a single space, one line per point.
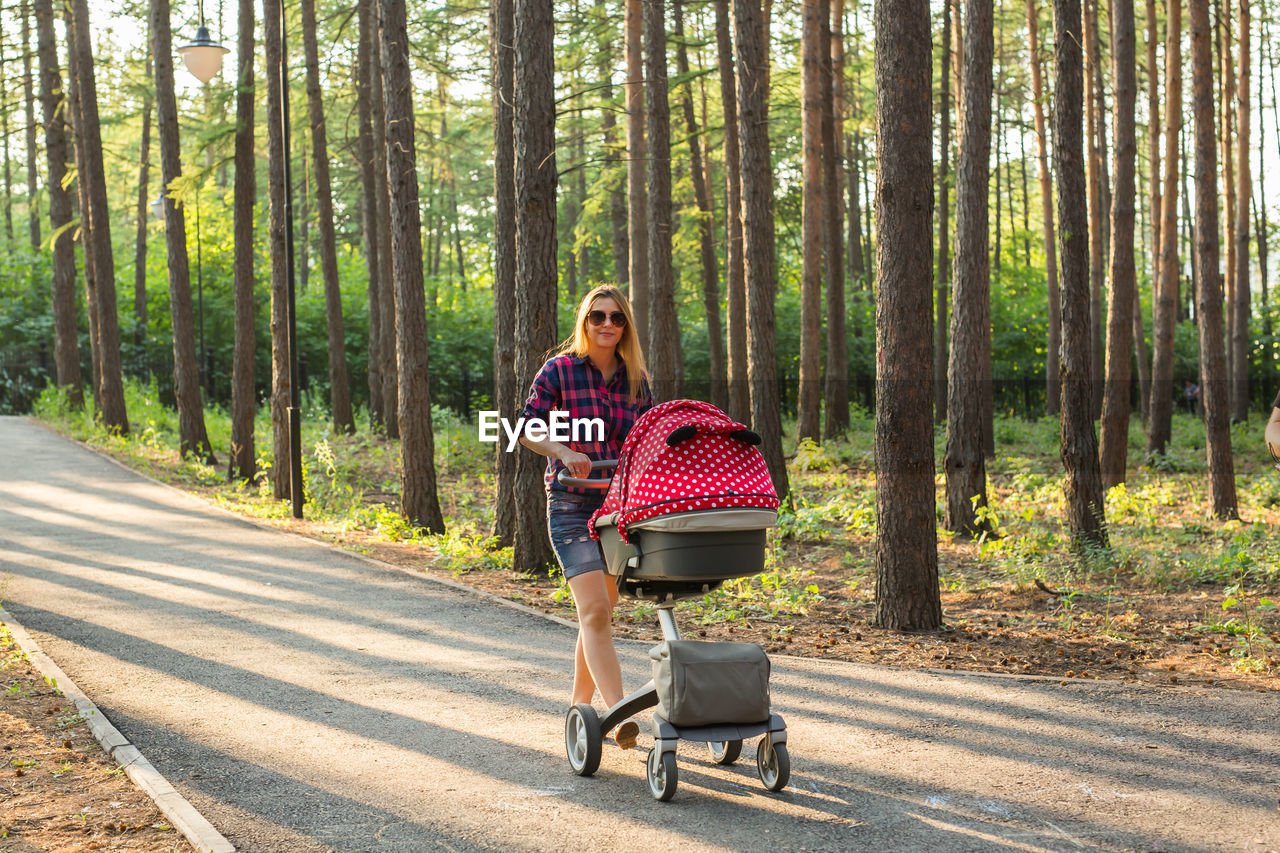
181 814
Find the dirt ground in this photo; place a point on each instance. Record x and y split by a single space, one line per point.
59 792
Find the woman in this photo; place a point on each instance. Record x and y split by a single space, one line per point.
597 373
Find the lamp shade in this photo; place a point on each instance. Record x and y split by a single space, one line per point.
157 207
203 56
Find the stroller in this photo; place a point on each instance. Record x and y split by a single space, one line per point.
686 510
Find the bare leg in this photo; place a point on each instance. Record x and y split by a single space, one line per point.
595 660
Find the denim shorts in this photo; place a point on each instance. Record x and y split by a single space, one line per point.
567 517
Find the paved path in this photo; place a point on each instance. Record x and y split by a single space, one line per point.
307 700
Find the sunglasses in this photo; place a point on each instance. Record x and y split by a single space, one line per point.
597 318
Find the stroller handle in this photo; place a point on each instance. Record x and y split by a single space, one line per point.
580 483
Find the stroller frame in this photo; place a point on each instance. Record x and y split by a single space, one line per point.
585 727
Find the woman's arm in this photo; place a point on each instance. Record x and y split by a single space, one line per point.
579 464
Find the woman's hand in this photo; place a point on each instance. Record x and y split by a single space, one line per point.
579 464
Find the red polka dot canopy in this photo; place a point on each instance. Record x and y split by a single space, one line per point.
686 456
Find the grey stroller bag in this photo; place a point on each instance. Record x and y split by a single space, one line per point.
702 684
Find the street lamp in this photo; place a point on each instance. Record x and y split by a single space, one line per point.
203 57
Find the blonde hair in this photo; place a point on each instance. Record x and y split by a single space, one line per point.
628 346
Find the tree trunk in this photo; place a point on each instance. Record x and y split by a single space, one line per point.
857 257
1222 482
66 345
609 124
735 275
1052 380
97 218
140 235
1165 311
339 387
663 355
706 227
243 464
1241 339
751 37
1115 404
193 439
28 98
1097 209
277 152
505 388
638 236
390 369
810 397
942 323
836 387
1079 446
907 595
365 61
1153 152
535 186
1225 99
965 462
80 207
418 500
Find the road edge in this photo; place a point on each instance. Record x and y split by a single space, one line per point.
184 816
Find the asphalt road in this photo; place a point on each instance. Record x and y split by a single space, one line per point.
305 699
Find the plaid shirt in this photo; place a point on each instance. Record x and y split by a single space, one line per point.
574 385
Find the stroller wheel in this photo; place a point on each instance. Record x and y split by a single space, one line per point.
725 751
773 763
662 774
583 739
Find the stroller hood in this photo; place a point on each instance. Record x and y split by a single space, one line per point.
686 456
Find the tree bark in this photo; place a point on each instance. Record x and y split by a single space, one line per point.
965 462
637 206
751 37
193 439
907 595
80 204
66 345
1115 404
29 100
1225 100
1165 312
1078 443
535 186
243 464
1097 208
812 221
664 334
1052 379
506 389
140 235
1241 339
617 189
418 500
281 374
836 386
97 218
943 288
390 369
706 226
365 60
339 386
1222 484
735 275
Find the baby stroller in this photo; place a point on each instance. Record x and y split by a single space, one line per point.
687 509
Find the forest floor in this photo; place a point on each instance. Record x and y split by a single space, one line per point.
59 792
1177 600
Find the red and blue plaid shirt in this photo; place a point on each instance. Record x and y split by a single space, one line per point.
574 385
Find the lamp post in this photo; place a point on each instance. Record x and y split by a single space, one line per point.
295 396
203 58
